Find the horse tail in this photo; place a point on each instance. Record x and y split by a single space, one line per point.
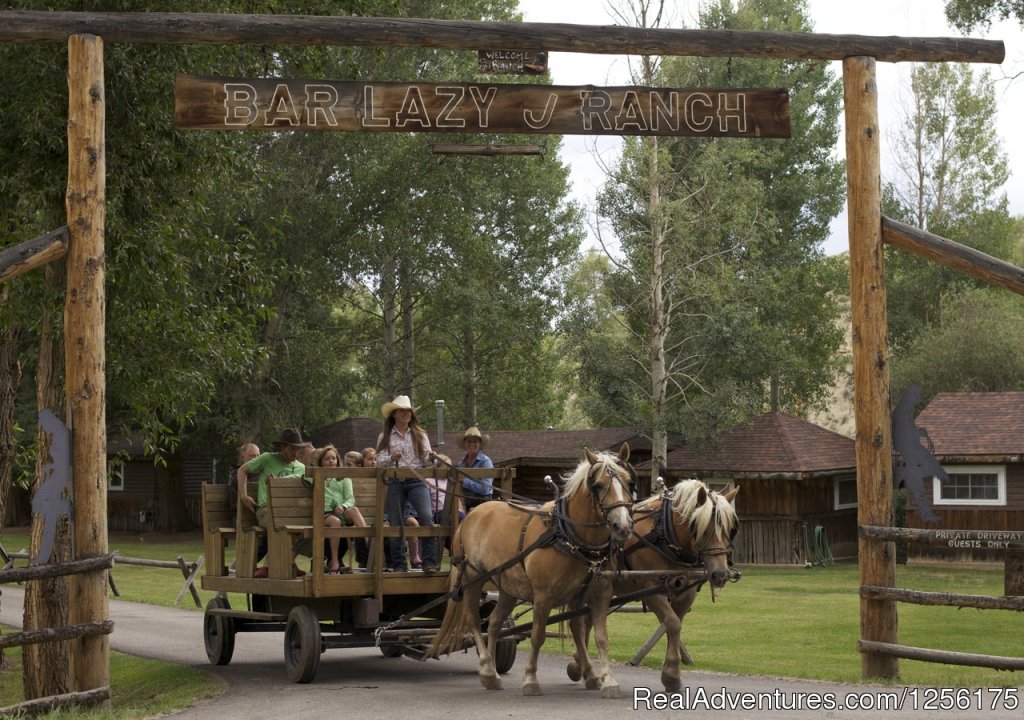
451 635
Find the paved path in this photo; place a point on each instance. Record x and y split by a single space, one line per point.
362 683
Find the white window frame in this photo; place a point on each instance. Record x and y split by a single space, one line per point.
835 492
998 470
115 474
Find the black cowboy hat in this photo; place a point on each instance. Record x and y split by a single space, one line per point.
292 436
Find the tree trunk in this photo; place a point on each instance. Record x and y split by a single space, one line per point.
408 339
468 371
660 316
388 290
46 666
251 423
173 515
10 379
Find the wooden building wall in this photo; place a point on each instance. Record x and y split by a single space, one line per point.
972 517
778 518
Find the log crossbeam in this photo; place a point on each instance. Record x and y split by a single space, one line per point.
19 259
28 26
952 254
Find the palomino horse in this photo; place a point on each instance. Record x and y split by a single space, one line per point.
687 527
544 555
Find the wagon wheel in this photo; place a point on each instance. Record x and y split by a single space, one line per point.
218 633
302 645
391 650
505 653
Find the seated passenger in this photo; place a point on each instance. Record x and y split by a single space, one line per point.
438 486
282 463
339 505
481 490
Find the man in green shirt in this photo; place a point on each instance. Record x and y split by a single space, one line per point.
282 463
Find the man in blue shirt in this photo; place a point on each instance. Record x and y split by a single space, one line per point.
481 490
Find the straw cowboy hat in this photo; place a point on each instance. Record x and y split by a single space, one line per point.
401 402
474 432
292 436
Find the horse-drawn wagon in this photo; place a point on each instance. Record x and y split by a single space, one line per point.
574 551
319 610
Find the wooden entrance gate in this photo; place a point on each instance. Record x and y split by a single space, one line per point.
85 34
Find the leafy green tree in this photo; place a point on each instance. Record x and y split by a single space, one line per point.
740 225
968 15
978 347
949 180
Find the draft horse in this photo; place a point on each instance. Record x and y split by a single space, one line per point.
545 555
687 527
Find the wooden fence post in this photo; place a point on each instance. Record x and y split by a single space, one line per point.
870 356
85 354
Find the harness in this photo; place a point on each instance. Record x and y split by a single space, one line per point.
559 535
664 540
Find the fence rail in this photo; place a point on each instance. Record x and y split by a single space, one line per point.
189 571
1009 541
11 574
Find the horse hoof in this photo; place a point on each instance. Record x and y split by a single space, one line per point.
672 684
573 671
611 692
532 689
593 683
491 682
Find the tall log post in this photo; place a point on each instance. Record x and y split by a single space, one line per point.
878 620
85 355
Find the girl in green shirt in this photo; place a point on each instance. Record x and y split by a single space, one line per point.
339 504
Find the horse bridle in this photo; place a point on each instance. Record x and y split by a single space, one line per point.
592 487
566 538
664 540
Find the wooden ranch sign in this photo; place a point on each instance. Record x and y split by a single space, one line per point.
512 62
214 103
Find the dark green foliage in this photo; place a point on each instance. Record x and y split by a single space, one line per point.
967 15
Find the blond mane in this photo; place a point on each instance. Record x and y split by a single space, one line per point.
572 483
684 497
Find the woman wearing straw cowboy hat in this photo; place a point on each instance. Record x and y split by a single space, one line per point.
282 463
403 443
475 491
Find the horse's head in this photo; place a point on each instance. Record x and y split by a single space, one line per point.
608 480
709 520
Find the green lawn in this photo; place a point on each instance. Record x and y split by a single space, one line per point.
800 623
804 623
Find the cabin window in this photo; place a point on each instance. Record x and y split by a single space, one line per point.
115 474
971 485
845 492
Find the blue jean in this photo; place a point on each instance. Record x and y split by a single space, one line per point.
416 493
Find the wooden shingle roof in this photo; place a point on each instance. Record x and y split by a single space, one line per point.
975 424
505 447
771 445
546 447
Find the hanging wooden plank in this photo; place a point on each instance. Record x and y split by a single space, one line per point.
952 254
85 352
218 103
512 62
231 29
21 258
873 442
956 539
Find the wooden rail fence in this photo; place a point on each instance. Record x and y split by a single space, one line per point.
56 634
1009 541
189 571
